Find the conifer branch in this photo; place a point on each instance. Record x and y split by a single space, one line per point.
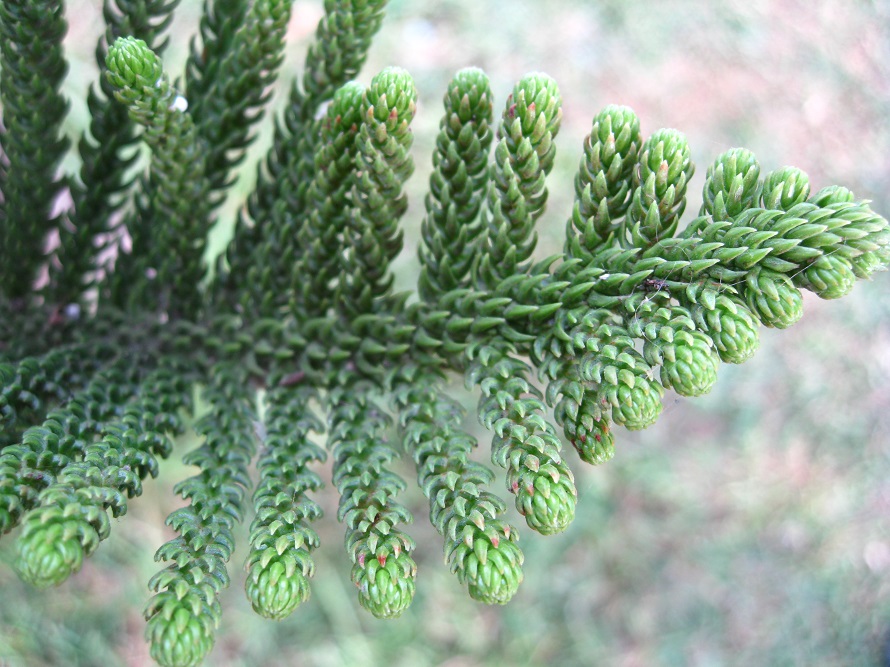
179 184
383 570
382 163
451 231
100 192
34 384
516 197
72 518
45 451
480 548
279 564
220 21
32 145
603 184
342 40
233 101
97 366
341 45
524 443
659 195
317 268
184 613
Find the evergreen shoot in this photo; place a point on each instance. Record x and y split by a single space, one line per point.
299 334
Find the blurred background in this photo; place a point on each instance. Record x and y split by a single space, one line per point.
747 527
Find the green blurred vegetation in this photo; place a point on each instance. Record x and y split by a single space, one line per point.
748 527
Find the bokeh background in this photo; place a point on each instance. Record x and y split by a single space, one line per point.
748 527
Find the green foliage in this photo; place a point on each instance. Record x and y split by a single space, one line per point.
98 362
279 565
178 176
184 613
103 174
33 109
70 518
